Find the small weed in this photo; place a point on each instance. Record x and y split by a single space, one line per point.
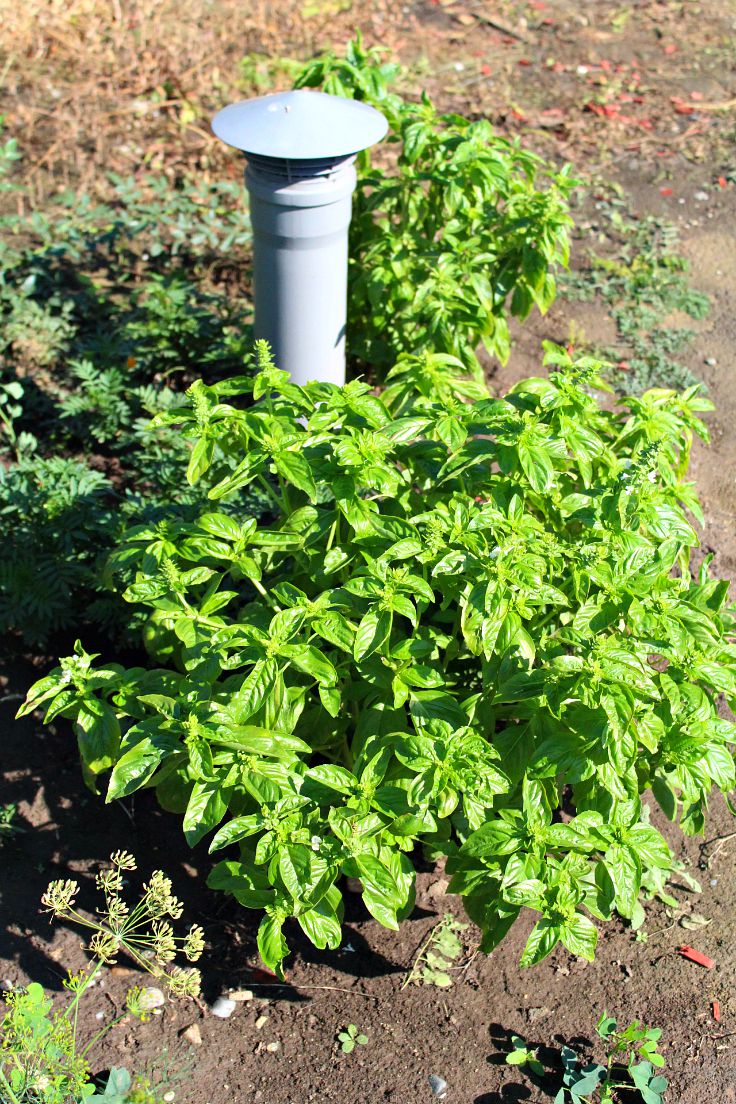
261 73
8 825
631 1064
438 953
642 280
349 1037
522 1055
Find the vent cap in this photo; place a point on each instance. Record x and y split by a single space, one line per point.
300 125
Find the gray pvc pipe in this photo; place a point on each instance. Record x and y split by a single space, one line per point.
300 262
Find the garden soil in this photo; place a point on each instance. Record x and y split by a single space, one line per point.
527 67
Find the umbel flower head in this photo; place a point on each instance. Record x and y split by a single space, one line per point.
142 930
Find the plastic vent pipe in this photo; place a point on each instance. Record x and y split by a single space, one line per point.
300 148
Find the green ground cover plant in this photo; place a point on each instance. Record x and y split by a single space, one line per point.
106 315
461 230
642 280
436 958
470 625
632 1064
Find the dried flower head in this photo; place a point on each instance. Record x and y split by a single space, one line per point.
59 896
123 860
140 929
159 898
185 983
194 943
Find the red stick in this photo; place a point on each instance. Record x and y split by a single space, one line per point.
716 1011
697 957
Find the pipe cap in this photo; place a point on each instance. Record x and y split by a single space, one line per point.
300 125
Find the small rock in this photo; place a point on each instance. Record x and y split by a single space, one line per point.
438 1085
223 1008
714 881
533 1014
438 888
169 1096
241 994
273 1047
711 362
702 197
151 998
99 1015
192 1034
261 1022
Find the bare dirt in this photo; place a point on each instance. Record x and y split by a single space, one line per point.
641 92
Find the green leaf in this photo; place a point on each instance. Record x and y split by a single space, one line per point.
293 467
373 633
255 689
544 937
98 735
207 806
138 764
272 946
200 459
580 936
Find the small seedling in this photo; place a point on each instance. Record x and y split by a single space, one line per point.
8 823
522 1055
437 954
349 1037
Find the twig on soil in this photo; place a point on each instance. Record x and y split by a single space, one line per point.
720 842
499 26
660 931
296 985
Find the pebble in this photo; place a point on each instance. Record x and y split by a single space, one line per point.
151 998
169 1096
99 1015
241 994
711 362
223 1008
702 197
192 1035
273 1047
261 1022
714 881
438 1085
438 889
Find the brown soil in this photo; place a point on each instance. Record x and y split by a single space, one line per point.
643 91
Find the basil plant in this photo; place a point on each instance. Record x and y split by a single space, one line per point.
460 229
468 626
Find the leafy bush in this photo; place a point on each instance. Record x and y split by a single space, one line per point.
471 626
56 514
464 229
106 312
